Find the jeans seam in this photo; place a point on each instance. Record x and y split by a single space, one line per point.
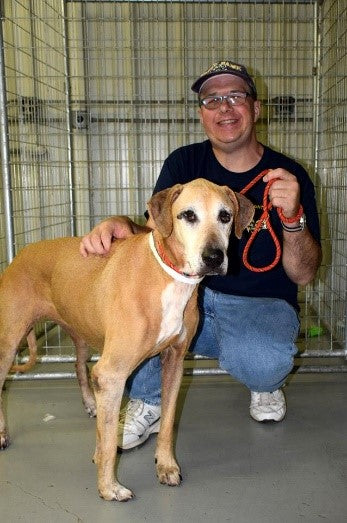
215 334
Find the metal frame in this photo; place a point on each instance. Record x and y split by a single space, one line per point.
5 156
79 115
202 371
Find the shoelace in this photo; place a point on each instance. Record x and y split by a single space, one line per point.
128 411
266 398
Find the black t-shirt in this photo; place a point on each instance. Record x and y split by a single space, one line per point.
198 161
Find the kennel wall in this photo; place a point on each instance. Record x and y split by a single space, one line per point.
95 94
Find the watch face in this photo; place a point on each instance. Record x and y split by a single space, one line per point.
302 221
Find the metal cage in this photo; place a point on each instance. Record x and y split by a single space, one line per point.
95 94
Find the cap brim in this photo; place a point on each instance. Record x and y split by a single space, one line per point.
196 86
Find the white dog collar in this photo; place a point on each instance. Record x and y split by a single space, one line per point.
192 280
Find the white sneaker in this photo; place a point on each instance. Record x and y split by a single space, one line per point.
137 421
268 406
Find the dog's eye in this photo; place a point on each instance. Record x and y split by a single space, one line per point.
224 216
188 215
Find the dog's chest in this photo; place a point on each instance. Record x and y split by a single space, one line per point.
174 299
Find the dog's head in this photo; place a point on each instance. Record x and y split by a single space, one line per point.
196 220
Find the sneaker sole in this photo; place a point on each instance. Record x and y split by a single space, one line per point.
265 420
153 429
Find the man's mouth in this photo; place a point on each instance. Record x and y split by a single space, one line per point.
230 121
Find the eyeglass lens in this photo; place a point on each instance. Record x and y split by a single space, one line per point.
213 102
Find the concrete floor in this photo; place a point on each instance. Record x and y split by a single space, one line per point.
234 469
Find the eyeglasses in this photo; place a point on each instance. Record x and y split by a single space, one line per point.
214 102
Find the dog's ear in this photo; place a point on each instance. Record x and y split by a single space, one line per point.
243 211
159 208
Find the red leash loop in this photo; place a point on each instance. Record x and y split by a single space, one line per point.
265 217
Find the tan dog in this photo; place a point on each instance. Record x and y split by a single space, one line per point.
130 304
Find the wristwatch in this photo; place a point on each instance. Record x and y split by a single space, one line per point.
297 228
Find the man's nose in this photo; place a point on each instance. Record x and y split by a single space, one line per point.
225 106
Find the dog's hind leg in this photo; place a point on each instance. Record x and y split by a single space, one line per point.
24 367
6 359
82 371
10 337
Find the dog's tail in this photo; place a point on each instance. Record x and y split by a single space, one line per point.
24 367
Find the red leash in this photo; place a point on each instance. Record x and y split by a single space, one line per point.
265 217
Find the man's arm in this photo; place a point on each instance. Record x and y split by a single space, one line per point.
301 254
99 240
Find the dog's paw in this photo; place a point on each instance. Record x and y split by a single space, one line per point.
116 493
4 440
90 408
169 475
91 411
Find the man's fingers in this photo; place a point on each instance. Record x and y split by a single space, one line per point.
83 250
99 240
105 241
280 174
86 246
95 243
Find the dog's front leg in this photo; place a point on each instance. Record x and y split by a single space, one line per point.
168 470
108 388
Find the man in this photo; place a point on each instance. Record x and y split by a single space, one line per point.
248 319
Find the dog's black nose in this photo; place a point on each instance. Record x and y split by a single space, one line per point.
212 258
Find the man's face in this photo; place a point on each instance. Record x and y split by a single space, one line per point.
228 127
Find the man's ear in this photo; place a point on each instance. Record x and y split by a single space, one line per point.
159 208
257 110
243 211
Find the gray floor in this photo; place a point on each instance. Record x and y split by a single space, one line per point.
234 468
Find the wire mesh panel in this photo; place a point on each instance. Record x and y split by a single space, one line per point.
35 69
133 64
98 94
330 300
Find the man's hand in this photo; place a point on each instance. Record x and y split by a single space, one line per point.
99 240
284 192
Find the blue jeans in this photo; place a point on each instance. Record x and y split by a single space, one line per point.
252 338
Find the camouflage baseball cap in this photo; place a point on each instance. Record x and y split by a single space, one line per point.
226 67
